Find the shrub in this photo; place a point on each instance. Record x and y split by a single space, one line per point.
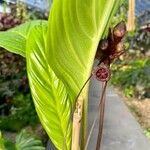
132 77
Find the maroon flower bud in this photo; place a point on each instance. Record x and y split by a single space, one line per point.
120 30
103 45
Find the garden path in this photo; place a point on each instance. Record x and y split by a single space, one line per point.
121 130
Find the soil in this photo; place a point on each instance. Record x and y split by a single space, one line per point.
141 110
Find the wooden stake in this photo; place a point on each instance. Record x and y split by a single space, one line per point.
131 16
77 124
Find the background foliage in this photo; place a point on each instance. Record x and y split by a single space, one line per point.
133 77
131 71
23 141
16 106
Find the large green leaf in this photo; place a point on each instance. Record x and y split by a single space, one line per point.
74 30
14 39
49 93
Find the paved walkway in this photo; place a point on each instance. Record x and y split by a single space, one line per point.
121 130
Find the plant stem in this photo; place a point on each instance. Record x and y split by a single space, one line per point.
101 115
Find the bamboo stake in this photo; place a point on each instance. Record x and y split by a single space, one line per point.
77 124
84 117
131 16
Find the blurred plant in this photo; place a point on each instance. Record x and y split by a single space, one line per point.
132 74
15 108
139 44
8 21
147 132
121 13
34 14
24 141
21 113
21 11
13 80
2 143
132 77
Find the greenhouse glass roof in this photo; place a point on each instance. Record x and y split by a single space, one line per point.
143 11
142 6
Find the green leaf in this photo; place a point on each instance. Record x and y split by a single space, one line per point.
26 141
5 144
49 93
2 142
74 31
14 40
